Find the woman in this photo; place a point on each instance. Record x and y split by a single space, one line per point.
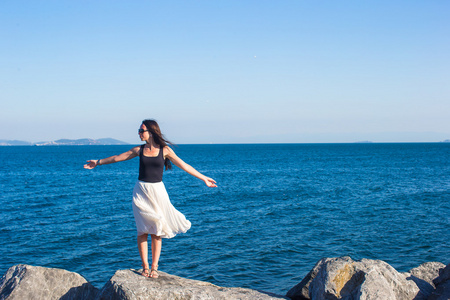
153 212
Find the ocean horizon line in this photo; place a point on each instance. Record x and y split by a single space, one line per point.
230 143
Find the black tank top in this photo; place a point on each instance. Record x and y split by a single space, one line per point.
151 168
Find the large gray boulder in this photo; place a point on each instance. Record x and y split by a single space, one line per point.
344 278
130 285
30 282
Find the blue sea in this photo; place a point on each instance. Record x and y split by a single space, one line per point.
279 208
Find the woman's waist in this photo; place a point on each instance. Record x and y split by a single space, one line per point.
149 182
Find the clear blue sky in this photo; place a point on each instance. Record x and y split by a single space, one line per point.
226 71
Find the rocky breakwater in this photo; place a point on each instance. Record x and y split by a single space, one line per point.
344 278
29 282
331 278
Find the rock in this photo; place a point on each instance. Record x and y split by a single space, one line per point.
130 285
444 275
343 278
423 276
301 290
428 271
29 282
442 283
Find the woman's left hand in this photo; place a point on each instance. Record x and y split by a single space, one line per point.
210 182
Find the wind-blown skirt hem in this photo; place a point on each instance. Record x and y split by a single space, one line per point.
154 213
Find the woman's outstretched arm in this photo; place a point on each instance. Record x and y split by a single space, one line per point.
170 154
132 153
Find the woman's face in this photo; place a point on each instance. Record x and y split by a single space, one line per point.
143 133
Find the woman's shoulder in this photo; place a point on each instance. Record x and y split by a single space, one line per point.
137 148
167 150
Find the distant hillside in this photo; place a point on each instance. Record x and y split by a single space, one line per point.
14 143
82 142
110 141
64 142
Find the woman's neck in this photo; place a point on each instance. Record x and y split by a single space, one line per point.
151 143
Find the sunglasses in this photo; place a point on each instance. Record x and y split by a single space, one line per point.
141 131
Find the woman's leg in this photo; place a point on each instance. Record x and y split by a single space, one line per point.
156 252
143 252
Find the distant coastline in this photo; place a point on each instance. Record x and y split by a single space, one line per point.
64 142
111 141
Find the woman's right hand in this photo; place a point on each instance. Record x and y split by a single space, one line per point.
91 164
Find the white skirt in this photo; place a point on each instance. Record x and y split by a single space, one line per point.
153 212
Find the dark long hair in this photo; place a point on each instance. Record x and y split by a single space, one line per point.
158 137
